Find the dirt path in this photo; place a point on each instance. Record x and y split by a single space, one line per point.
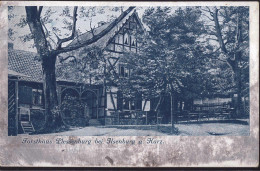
194 129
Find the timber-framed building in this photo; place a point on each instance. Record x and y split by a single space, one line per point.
102 104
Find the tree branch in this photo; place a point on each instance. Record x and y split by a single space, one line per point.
231 63
205 10
222 14
209 54
208 17
212 33
56 36
36 29
212 39
92 30
218 31
210 12
48 35
60 41
64 59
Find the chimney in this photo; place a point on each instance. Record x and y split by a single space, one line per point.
101 23
10 45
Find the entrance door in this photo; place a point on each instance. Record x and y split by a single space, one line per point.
90 100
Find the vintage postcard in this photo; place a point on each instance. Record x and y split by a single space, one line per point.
132 84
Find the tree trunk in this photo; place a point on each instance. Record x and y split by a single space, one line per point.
238 83
172 113
159 103
234 64
157 109
53 119
237 69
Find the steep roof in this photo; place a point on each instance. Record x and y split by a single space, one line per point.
88 34
15 74
103 41
27 66
25 63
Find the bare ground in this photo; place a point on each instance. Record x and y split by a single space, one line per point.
228 128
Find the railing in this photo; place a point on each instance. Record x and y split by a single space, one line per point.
216 112
37 117
24 114
133 118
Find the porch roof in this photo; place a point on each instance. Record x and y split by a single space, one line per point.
25 63
16 74
28 66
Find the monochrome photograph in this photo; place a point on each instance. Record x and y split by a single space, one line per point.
129 84
128 70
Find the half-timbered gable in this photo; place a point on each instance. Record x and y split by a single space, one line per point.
123 41
121 38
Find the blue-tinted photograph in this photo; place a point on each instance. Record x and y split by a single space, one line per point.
128 71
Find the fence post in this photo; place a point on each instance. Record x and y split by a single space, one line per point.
146 117
118 117
244 108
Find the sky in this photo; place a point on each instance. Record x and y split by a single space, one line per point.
83 24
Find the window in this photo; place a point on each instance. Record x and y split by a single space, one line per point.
124 71
132 105
126 39
125 104
37 97
120 39
133 43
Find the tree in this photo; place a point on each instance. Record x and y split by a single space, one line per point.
49 48
230 29
167 55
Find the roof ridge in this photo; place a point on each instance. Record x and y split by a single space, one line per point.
89 31
119 18
96 27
